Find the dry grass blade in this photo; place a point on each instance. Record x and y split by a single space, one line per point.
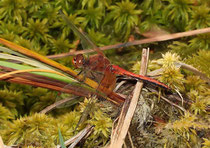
54 105
194 70
129 109
24 60
170 102
181 108
1 143
7 50
40 81
80 135
119 85
131 141
83 135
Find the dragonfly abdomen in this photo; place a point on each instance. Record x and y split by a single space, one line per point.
120 71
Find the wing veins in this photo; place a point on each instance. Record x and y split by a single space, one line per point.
81 34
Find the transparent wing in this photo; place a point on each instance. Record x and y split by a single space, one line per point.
84 39
65 98
97 63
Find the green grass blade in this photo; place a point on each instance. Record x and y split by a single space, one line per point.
61 139
24 67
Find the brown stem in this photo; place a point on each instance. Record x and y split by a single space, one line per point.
136 42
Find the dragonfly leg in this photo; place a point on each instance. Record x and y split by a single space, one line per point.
86 111
93 76
80 73
84 75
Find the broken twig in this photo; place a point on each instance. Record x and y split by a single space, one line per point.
128 110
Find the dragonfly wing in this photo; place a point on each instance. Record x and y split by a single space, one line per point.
85 40
89 108
66 99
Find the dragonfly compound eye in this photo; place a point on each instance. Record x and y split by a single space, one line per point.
74 60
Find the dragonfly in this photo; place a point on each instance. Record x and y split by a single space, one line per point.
101 63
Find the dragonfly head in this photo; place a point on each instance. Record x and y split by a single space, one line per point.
78 61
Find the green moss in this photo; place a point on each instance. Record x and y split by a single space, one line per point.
36 25
125 16
32 130
5 115
13 100
201 60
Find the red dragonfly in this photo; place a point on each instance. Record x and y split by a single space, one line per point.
100 63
